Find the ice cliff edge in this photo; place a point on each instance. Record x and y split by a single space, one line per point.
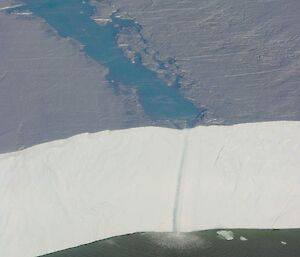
93 186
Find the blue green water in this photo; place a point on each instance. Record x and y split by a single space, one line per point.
72 18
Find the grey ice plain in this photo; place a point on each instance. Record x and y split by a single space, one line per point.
49 90
238 60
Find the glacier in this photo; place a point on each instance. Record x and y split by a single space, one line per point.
93 186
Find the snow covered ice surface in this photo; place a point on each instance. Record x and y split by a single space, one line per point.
238 59
50 90
93 186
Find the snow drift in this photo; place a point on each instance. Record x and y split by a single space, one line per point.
93 186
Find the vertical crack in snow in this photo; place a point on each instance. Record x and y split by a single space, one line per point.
3 76
179 185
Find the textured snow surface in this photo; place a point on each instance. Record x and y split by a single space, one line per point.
238 59
93 186
50 90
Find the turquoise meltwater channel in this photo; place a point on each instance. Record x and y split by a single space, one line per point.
72 18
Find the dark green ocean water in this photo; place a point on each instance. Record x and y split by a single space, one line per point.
260 243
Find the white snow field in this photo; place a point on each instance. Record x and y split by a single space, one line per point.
93 186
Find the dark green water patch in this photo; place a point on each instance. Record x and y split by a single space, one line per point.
246 243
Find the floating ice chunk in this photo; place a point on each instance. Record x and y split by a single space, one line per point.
283 243
177 240
10 7
242 238
102 20
23 13
225 234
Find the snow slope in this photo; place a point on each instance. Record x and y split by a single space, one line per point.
93 186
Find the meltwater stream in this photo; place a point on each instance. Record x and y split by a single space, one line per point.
72 18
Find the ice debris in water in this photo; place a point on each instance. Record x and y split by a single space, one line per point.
224 234
242 238
177 240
